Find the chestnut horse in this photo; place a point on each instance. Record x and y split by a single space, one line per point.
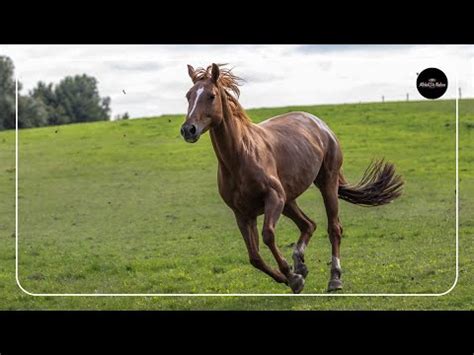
263 168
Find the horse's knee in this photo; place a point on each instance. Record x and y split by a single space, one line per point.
268 234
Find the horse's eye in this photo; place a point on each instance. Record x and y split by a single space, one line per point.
212 97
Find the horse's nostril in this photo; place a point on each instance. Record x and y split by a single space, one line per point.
182 131
192 130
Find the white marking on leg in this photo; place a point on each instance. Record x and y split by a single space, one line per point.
198 93
301 248
336 263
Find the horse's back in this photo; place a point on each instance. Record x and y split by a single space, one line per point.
297 119
300 128
300 142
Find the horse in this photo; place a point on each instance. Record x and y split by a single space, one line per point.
263 168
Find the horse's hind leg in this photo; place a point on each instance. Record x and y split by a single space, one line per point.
329 185
307 228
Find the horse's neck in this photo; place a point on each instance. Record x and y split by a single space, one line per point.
228 140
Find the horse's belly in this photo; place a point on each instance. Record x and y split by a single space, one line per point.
297 173
296 185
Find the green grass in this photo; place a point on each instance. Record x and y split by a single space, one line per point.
129 207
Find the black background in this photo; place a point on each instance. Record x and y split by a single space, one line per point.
234 332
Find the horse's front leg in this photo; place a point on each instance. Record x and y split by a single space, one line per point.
248 228
274 204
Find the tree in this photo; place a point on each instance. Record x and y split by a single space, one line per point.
7 93
120 117
78 97
74 99
31 112
46 94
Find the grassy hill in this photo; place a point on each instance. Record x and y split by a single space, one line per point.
129 207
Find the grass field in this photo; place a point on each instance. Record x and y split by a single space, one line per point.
129 207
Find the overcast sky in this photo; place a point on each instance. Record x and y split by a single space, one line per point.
155 77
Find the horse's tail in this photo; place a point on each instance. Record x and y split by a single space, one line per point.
379 185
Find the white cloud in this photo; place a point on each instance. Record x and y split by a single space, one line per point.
155 77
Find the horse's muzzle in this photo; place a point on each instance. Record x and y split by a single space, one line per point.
190 132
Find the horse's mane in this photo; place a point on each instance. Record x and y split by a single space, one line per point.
230 83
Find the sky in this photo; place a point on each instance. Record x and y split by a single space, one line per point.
150 80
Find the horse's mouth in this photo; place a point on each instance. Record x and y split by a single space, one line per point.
192 139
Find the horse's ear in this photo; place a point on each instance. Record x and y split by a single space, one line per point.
191 72
215 73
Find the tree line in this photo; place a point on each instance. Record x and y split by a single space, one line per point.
73 99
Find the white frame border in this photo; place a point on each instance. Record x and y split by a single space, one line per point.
234 294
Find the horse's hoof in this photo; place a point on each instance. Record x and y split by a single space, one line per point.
334 285
302 270
296 283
